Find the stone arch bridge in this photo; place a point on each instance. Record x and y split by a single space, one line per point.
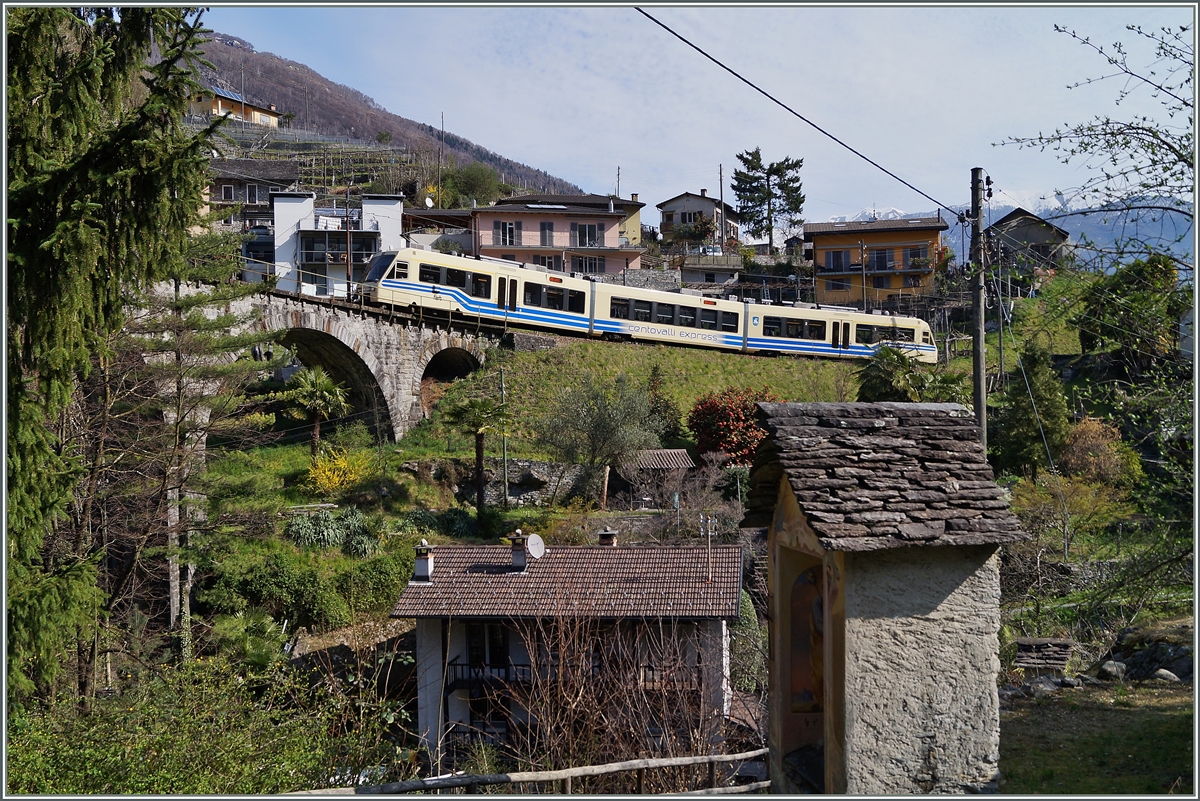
382 358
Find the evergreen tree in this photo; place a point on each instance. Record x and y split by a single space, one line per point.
662 407
768 193
103 181
315 396
1033 417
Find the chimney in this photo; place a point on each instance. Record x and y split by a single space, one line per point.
633 197
608 537
610 205
703 193
520 559
423 563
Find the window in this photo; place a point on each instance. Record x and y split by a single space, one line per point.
881 259
481 286
837 260
687 316
554 298
864 334
921 252
668 216
401 270
456 278
641 310
587 235
587 264
533 294
379 268
549 262
547 230
872 334
227 192
881 281
710 278
430 274
664 313
837 285
487 644
576 301
506 233
911 281
729 322
689 217
708 319
619 309
252 193
806 329
772 326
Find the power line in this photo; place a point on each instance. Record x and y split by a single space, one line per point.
796 114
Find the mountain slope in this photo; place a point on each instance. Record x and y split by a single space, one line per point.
331 109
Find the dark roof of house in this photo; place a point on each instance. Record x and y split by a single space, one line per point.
609 582
730 211
267 171
1018 214
880 475
576 200
875 226
664 459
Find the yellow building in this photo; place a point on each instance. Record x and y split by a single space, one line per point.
217 102
892 259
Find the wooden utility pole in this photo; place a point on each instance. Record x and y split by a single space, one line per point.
978 348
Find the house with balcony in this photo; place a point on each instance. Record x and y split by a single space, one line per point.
871 263
1023 242
217 102
320 250
556 235
686 210
239 190
629 229
499 627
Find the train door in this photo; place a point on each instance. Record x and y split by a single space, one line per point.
841 335
506 294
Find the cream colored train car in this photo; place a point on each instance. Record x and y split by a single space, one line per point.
528 295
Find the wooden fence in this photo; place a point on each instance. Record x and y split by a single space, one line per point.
563 777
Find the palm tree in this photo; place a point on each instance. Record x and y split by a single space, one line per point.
315 396
478 417
893 375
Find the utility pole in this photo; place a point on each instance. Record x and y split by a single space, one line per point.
504 440
1000 310
862 262
441 146
618 181
978 349
721 210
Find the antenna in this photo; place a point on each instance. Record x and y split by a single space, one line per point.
536 546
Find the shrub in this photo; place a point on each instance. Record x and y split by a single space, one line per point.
335 470
373 585
726 422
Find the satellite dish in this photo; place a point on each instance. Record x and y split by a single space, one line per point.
537 548
429 203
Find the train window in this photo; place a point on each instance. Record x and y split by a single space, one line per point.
664 313
481 285
619 309
813 329
431 274
576 301
533 294
708 319
902 334
687 316
864 334
379 268
729 321
773 326
925 338
641 310
554 298
456 278
400 270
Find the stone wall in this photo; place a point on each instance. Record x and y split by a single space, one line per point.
922 658
662 280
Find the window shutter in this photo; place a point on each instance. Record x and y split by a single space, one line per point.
495 232
574 235
600 237
600 265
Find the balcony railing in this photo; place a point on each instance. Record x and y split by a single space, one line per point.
461 675
558 240
334 257
915 264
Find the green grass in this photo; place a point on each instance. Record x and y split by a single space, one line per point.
1100 740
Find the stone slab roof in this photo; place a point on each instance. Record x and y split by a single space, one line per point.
880 475
268 171
568 581
664 459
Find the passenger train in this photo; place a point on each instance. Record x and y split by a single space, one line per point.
530 295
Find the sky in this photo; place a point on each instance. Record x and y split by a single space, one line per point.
583 93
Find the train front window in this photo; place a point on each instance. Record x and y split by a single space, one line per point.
554 298
664 313
533 294
729 322
430 274
773 326
641 310
708 319
902 334
481 286
576 301
379 267
619 309
926 338
687 316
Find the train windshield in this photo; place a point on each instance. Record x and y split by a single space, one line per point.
379 266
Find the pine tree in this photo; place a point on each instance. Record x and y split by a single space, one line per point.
102 182
768 193
1032 418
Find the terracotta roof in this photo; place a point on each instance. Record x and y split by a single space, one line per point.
594 581
664 459
880 475
867 226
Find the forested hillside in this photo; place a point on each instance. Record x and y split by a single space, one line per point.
331 109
